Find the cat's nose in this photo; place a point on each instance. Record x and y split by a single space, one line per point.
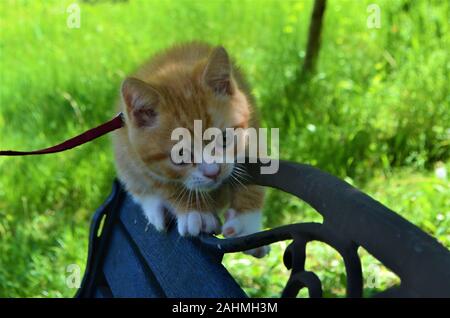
210 170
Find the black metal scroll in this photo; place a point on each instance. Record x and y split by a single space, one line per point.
128 258
351 219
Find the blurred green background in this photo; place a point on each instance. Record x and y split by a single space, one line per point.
376 113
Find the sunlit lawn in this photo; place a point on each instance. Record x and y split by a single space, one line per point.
376 113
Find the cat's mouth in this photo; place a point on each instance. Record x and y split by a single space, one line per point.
204 184
198 181
207 185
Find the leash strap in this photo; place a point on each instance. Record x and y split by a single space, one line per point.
115 123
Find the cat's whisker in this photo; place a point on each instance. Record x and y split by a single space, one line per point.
197 202
243 171
190 198
236 177
202 200
202 197
232 182
243 175
179 193
178 201
244 179
209 200
238 182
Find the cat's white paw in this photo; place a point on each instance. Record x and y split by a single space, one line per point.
244 224
192 223
153 208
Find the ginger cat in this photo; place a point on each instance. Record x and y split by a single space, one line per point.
185 83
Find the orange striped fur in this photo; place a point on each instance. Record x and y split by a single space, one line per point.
171 91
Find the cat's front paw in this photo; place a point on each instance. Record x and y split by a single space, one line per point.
193 222
241 224
153 208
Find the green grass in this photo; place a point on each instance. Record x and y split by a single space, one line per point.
421 197
375 113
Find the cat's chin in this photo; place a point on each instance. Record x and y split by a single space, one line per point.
207 187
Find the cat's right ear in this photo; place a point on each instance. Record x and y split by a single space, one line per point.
217 74
141 101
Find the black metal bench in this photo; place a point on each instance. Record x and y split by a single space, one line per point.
127 258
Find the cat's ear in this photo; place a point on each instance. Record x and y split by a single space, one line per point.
217 74
141 101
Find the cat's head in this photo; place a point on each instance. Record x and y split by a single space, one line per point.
174 98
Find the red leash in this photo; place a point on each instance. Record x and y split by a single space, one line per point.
115 123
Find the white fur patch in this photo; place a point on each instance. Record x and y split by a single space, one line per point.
153 208
241 224
192 223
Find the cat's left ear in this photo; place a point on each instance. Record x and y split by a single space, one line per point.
141 100
217 74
